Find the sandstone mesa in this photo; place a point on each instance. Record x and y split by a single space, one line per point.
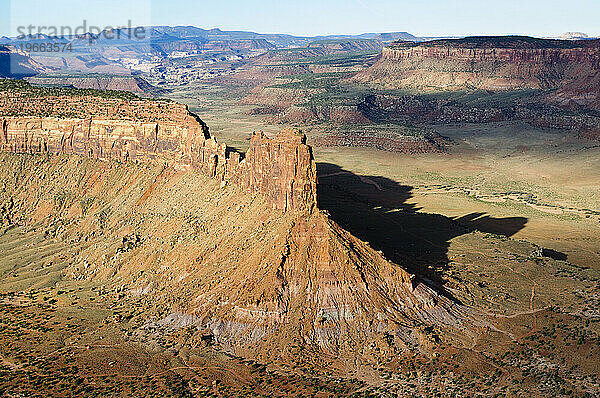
281 168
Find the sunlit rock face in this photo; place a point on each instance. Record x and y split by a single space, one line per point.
281 169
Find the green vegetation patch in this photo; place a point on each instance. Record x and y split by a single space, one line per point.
26 89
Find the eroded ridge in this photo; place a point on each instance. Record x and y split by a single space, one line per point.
282 168
258 282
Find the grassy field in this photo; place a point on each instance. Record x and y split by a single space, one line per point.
553 189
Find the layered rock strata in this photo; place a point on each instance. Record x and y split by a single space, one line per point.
281 168
259 283
264 284
493 63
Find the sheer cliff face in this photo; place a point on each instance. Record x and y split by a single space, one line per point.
282 169
454 65
99 139
16 65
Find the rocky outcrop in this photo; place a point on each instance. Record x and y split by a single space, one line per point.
281 169
339 114
422 109
438 109
267 285
260 283
429 142
103 139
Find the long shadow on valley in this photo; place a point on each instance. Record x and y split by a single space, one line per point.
375 209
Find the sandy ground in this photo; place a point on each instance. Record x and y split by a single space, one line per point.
554 187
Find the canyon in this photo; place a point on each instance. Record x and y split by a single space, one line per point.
417 86
419 222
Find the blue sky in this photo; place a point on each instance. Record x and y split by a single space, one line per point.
312 17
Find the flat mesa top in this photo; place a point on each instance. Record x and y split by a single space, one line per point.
19 98
511 42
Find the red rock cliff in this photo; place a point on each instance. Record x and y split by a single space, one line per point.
489 63
281 169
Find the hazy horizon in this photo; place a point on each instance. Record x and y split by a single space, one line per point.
314 18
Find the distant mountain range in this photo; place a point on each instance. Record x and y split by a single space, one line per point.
174 38
120 51
168 37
